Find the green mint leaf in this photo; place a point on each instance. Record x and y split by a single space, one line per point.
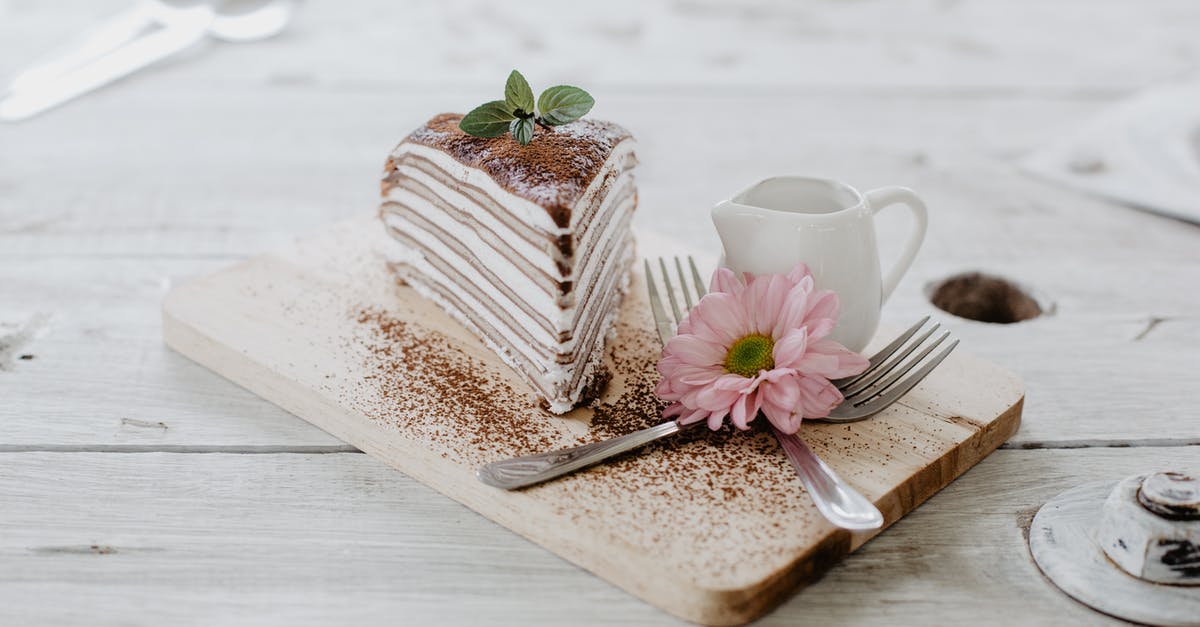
563 103
517 94
489 119
522 130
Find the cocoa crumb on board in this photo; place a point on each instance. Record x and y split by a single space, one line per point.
421 381
723 506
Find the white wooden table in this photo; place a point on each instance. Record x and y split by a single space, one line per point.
138 488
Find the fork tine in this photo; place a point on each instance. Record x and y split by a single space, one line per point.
893 394
883 354
862 396
883 369
656 307
700 289
683 284
670 290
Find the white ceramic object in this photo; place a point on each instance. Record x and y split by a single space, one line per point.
1151 528
1065 541
830 226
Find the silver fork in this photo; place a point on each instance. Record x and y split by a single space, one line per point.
881 384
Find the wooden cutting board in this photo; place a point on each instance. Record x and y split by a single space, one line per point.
712 527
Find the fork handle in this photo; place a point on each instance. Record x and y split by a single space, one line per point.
837 500
519 472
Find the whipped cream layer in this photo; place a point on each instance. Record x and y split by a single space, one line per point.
542 294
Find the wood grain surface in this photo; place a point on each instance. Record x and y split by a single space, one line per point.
109 438
713 528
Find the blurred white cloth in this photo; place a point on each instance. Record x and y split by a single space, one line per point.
1144 152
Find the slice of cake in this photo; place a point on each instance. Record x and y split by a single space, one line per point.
529 245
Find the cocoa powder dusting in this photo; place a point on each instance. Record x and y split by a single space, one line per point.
412 371
551 171
722 508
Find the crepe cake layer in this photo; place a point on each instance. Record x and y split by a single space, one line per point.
527 246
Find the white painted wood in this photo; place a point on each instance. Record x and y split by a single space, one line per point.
1145 151
223 155
232 193
312 539
97 254
295 327
98 376
1065 541
967 46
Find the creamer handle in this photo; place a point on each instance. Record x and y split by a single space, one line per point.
883 197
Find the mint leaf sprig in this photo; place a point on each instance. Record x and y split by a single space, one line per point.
518 115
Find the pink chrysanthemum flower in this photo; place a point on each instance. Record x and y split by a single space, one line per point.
757 345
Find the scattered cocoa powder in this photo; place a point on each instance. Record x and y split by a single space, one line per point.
724 507
414 370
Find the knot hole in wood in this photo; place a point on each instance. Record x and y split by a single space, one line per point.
984 297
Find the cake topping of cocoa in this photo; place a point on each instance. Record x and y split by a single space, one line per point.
552 171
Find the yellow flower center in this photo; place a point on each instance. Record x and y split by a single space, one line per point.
749 355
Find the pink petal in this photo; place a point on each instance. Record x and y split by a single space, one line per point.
663 390
715 418
695 416
784 393
719 318
694 324
776 374
790 350
782 401
822 304
741 412
753 413
793 311
695 351
712 399
725 281
785 420
735 383
818 396
697 375
763 299
668 364
798 272
831 360
819 327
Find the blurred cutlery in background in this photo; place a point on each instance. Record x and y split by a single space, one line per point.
134 39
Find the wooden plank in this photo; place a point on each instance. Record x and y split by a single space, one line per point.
262 539
323 331
195 163
103 341
1088 257
235 191
661 45
97 376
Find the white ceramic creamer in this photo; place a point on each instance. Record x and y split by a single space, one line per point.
828 225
